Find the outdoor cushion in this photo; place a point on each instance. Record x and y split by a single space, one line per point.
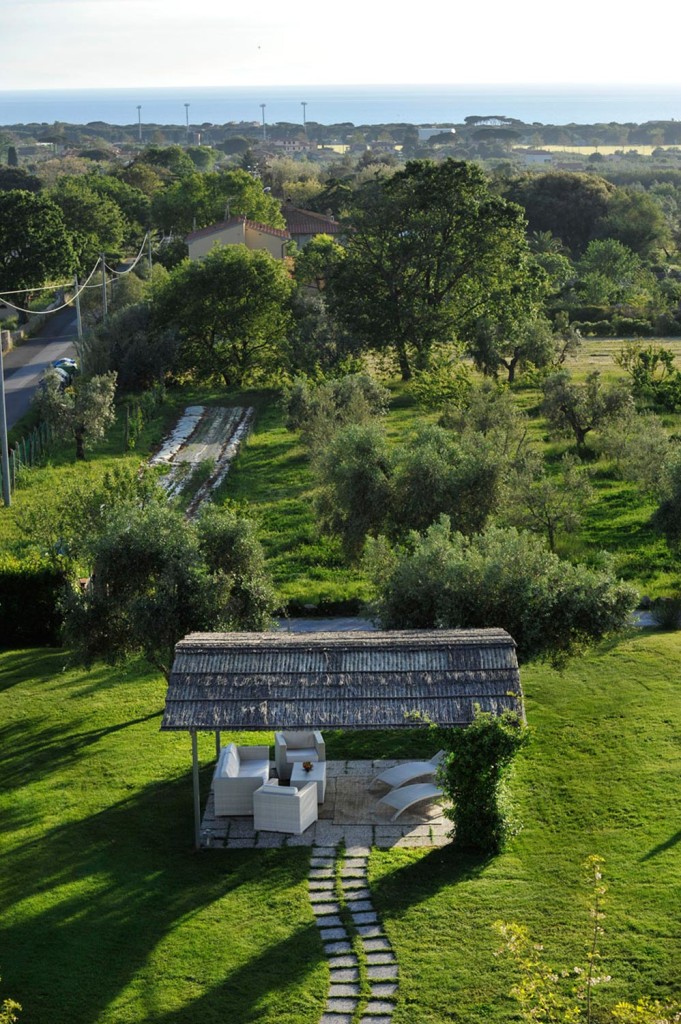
251 769
228 763
237 776
302 754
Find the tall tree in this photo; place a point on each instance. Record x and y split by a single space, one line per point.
196 200
34 244
232 310
94 221
429 251
567 204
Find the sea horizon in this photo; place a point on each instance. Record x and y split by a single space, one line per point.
344 104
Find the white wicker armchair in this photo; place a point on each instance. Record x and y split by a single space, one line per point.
238 773
295 747
284 809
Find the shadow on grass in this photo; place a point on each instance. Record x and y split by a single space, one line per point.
419 880
97 896
27 755
41 664
379 743
668 844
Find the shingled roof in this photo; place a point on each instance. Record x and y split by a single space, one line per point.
352 680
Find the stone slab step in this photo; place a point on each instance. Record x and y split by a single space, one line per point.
333 934
343 990
376 1006
384 957
342 961
377 944
329 921
384 973
341 1005
360 906
342 974
335 948
364 918
383 989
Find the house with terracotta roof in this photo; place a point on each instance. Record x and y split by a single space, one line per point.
305 224
238 231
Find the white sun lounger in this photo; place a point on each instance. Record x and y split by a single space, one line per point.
402 799
408 771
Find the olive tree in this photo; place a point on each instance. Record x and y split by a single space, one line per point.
578 408
500 577
83 411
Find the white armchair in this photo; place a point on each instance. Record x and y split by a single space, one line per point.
238 773
294 747
284 809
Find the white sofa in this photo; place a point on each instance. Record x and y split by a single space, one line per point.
283 808
295 747
238 773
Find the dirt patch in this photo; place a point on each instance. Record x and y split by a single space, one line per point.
203 442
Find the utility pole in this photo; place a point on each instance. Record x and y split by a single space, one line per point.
104 299
6 493
139 121
264 130
149 250
303 104
186 116
79 320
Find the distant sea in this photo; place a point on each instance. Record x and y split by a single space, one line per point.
371 104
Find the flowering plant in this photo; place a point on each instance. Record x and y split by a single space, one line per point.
307 766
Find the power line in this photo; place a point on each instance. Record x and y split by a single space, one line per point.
65 284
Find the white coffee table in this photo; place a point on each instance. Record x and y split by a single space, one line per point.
317 773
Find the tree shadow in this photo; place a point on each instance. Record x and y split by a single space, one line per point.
668 844
41 664
421 879
30 751
98 895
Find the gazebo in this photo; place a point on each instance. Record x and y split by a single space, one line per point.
349 680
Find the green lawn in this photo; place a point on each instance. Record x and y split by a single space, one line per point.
107 915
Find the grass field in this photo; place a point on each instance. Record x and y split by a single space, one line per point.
107 916
272 478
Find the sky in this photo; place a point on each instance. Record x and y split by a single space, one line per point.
128 43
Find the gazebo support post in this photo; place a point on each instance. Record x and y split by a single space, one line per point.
218 744
197 794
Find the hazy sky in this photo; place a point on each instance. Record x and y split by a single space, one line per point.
127 43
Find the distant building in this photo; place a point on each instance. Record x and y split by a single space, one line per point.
238 231
429 133
303 225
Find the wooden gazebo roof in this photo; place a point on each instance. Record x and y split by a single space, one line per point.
349 680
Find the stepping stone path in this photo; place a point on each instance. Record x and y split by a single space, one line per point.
376 969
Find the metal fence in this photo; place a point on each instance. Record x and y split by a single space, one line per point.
27 451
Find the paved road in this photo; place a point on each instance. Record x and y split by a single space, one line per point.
25 364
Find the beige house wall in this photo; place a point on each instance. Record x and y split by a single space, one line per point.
271 243
200 247
237 234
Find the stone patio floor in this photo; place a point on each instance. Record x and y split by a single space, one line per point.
350 813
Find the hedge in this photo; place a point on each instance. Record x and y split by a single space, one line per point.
30 590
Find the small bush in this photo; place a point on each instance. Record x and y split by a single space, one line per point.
473 776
